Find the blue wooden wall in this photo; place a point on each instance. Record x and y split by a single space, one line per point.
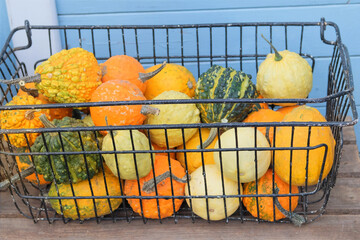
141 12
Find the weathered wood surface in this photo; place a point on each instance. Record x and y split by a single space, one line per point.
340 221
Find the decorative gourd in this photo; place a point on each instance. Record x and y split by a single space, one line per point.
194 159
266 204
89 122
215 209
258 106
22 119
286 110
223 83
265 115
24 162
164 187
80 166
86 207
305 167
244 159
172 77
156 147
173 114
117 90
284 74
125 162
54 113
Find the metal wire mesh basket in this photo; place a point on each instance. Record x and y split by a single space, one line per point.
197 47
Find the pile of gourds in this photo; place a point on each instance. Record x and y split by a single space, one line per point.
74 75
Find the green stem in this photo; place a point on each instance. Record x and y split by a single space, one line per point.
278 57
295 218
149 186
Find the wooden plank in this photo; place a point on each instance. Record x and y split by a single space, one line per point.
65 7
328 227
350 161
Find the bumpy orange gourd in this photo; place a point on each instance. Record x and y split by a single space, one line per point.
265 186
319 135
24 162
82 189
54 113
194 159
149 206
21 119
265 115
172 77
123 67
117 90
69 76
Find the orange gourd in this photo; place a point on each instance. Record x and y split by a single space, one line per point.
117 90
172 77
266 204
258 106
306 165
265 115
123 67
149 206
22 119
54 113
286 110
194 159
156 147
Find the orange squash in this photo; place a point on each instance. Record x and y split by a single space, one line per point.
21 119
172 77
286 110
194 159
305 167
156 147
117 90
149 206
265 115
123 67
54 113
266 204
258 106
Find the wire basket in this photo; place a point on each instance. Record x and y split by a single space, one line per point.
197 47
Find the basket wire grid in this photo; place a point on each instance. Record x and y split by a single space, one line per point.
197 47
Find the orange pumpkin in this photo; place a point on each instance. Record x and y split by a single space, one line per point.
54 113
22 119
265 115
149 206
286 110
117 90
194 159
123 67
24 162
266 204
306 164
172 77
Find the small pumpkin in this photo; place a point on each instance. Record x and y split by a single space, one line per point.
86 207
266 204
223 83
306 165
117 90
54 113
284 74
22 119
286 110
194 159
244 159
172 77
164 187
80 166
212 208
172 114
124 140
265 115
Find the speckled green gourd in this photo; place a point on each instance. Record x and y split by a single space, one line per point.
224 83
71 142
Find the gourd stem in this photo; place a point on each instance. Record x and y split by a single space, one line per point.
209 140
47 123
146 76
28 79
31 91
146 109
295 218
278 57
29 115
149 186
25 173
